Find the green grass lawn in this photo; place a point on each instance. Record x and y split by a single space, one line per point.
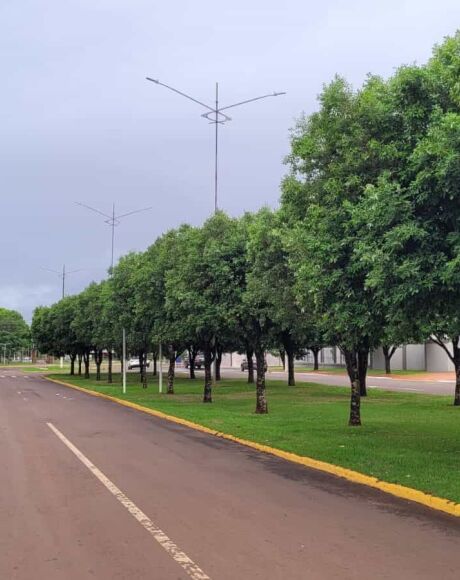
405 438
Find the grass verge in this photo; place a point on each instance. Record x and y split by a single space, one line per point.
406 438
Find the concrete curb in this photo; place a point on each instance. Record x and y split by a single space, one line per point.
400 491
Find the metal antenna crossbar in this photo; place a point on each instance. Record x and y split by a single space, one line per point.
113 221
216 117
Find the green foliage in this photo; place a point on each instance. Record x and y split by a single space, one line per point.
14 331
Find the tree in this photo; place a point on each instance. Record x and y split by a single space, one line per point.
272 287
412 215
126 312
203 289
149 287
14 331
336 153
41 329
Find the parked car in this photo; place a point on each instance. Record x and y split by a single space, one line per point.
199 361
134 363
244 364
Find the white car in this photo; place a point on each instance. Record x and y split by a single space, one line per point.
133 363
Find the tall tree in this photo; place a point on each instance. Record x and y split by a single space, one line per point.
336 153
204 288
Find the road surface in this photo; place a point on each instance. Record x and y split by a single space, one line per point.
93 490
405 385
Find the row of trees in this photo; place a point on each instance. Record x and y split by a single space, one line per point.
363 252
223 287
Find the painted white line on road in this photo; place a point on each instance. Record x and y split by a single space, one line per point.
165 542
445 381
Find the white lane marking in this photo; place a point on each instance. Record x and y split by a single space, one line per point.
165 542
13 376
445 381
19 392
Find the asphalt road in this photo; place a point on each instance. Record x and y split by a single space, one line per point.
422 386
92 490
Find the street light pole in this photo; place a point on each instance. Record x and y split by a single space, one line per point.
215 116
63 274
113 221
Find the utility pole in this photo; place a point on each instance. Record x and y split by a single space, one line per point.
112 220
62 274
216 117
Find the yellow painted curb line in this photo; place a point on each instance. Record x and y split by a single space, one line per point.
400 491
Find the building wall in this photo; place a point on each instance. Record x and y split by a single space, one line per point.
437 359
416 357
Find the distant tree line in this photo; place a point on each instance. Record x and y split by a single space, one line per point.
363 252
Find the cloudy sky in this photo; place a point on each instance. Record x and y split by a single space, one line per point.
79 122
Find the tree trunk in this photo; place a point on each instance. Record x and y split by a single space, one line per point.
249 355
261 399
291 373
171 369
207 395
140 357
283 358
155 361
456 361
192 352
86 361
143 369
79 364
98 359
143 364
218 363
457 385
387 353
72 364
351 359
363 356
109 370
315 352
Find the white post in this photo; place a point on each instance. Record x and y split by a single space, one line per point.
124 361
160 376
62 362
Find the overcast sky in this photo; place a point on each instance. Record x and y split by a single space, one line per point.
79 122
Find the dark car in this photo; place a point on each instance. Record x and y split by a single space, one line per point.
244 364
199 361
